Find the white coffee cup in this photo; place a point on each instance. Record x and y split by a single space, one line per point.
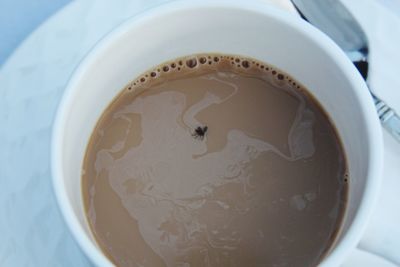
230 27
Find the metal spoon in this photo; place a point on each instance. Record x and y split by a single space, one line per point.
332 17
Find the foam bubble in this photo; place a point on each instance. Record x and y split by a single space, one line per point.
346 177
191 63
209 62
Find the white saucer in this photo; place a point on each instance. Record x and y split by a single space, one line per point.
361 258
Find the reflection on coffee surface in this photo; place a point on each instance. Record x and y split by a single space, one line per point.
214 160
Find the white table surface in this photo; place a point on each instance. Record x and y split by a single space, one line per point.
18 18
32 232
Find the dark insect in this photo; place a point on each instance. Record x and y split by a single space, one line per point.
200 132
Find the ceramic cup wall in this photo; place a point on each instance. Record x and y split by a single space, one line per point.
231 27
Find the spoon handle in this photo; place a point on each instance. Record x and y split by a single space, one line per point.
388 117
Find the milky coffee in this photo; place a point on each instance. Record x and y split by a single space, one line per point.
214 160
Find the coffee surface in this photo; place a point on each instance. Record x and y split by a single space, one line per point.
214 160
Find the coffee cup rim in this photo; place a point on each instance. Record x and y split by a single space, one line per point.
376 154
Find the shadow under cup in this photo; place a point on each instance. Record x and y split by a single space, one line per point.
249 29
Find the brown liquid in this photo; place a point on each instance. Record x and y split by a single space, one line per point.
266 186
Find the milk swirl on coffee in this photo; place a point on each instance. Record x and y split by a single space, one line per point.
265 185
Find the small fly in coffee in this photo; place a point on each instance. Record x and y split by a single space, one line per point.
200 132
